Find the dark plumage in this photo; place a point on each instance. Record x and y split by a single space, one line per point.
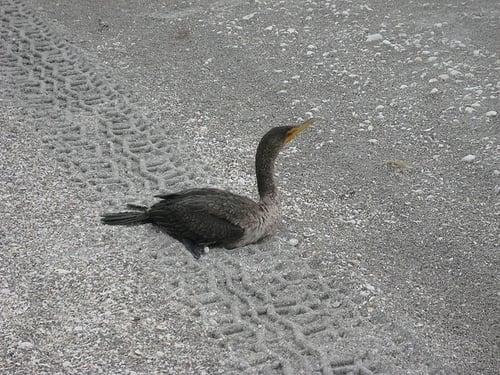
214 217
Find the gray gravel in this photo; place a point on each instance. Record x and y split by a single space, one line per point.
388 258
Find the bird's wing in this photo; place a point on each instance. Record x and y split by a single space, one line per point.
234 208
193 192
205 216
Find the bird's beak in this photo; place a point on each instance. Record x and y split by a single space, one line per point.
292 134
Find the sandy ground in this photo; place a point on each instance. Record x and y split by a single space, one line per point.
387 261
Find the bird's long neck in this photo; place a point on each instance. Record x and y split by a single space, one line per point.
264 169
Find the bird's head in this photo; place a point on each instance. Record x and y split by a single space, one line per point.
279 136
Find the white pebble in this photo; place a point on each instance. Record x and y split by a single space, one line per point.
25 345
434 91
432 58
293 241
374 37
379 107
491 114
496 172
497 189
469 109
469 158
248 16
373 141
370 287
206 249
444 77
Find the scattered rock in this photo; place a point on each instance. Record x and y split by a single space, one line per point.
293 241
398 165
373 141
374 37
25 345
370 287
491 113
469 158
249 16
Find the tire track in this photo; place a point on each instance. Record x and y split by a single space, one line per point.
286 319
100 136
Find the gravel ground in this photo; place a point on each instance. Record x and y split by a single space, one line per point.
387 260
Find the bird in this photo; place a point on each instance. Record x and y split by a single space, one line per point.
211 217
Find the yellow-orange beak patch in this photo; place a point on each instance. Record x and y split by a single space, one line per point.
293 133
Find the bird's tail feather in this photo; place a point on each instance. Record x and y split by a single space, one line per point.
125 218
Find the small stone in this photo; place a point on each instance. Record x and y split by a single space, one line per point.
62 271
206 249
25 345
248 16
374 37
434 91
469 109
370 287
469 158
444 77
496 172
336 304
66 364
491 113
373 141
497 189
293 241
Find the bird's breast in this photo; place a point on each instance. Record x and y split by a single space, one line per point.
263 224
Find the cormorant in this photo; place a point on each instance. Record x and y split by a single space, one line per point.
213 217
